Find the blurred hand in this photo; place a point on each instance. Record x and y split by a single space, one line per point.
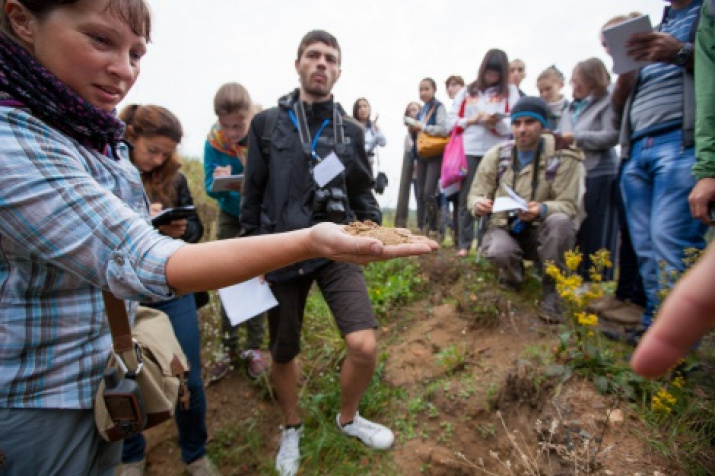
653 46
562 141
333 242
175 229
533 212
155 209
491 120
700 197
222 171
687 314
483 207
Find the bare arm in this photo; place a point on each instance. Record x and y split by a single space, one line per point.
217 264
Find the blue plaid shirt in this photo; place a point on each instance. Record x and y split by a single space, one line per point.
72 221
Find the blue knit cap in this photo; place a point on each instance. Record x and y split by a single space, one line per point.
531 106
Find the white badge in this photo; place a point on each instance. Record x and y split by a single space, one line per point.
329 168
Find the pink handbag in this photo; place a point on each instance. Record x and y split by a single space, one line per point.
454 161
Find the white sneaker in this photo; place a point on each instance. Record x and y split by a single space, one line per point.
372 434
288 459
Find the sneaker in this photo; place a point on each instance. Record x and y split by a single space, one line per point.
288 458
132 469
202 467
372 434
256 365
219 369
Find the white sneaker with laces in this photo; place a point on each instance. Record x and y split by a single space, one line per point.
372 434
288 458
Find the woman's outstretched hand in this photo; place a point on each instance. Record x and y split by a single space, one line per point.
333 242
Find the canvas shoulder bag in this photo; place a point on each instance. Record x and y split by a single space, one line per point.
429 146
146 375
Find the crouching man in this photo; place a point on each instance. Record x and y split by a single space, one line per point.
550 180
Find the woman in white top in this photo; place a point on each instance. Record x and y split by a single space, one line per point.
373 135
485 120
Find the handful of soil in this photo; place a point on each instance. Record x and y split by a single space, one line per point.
388 236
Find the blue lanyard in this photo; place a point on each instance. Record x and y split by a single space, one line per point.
314 141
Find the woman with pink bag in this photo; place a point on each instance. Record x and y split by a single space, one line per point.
485 121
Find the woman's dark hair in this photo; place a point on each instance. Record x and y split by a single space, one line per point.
495 60
356 106
155 121
595 74
135 13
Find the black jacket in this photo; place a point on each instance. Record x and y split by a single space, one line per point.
279 190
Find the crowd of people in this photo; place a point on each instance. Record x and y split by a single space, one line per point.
78 185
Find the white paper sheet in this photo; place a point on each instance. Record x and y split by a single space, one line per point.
245 300
616 38
329 168
512 202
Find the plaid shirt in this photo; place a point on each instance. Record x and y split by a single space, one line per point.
72 221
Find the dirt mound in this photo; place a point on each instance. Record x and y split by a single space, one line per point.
389 236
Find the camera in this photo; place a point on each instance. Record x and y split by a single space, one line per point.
329 204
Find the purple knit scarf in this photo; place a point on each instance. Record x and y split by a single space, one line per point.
24 80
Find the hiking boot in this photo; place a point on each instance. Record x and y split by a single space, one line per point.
629 314
372 434
605 303
551 311
132 469
202 467
288 458
256 365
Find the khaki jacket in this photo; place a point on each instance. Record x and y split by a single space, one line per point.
560 185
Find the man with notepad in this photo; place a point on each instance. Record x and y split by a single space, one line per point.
532 192
657 143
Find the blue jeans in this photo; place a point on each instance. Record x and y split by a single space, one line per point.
191 422
656 182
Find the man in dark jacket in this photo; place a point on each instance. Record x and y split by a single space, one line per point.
307 163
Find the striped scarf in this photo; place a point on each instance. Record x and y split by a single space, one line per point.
218 141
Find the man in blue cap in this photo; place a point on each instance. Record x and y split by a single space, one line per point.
549 180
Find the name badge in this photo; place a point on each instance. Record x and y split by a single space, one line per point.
329 168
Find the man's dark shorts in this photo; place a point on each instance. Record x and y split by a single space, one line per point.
344 289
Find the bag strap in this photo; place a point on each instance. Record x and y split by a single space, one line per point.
118 323
429 114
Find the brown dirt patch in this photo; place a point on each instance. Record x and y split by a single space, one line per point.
389 236
469 411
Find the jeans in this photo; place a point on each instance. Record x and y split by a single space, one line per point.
656 182
466 219
191 423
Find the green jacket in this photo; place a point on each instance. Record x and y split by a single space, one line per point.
560 185
705 94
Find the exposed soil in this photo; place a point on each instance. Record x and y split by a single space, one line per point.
489 406
389 236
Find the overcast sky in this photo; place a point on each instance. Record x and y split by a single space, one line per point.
388 46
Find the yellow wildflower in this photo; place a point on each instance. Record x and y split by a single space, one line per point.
573 260
586 319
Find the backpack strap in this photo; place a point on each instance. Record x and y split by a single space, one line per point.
270 127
